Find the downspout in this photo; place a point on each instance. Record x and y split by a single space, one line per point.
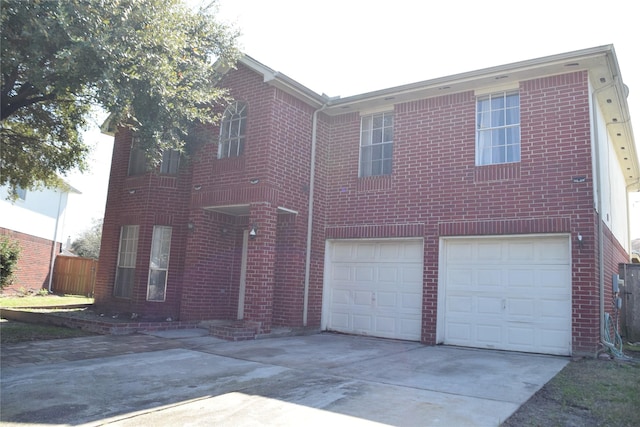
55 238
307 268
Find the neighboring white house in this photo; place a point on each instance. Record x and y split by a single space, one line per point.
36 221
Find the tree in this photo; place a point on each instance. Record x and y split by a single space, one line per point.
88 244
152 64
9 255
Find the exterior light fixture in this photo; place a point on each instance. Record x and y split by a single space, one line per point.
253 232
580 240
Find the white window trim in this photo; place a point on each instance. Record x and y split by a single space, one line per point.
153 269
477 131
384 111
222 140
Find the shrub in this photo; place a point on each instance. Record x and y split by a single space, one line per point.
9 254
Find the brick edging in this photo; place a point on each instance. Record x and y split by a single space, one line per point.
96 326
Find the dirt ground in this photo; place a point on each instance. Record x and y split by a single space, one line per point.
586 393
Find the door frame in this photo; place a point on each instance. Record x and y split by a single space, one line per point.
243 274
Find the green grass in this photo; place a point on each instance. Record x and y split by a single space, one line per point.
43 301
15 332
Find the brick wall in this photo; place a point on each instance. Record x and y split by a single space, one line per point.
34 264
436 184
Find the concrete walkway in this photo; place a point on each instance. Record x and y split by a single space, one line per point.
187 378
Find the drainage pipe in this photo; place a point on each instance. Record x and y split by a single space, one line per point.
307 268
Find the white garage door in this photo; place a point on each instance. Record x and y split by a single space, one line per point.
374 288
507 293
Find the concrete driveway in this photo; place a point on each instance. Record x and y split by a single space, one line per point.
323 379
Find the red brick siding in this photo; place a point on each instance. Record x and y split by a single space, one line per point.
34 264
435 181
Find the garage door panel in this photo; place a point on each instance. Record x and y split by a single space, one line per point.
511 293
520 308
388 274
341 320
364 273
554 252
384 281
521 337
488 279
362 298
364 252
412 275
340 296
520 252
411 302
387 299
459 278
341 273
555 309
489 305
489 252
459 304
362 323
489 335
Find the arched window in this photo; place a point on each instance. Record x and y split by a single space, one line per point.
232 130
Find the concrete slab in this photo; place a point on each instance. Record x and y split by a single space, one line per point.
312 380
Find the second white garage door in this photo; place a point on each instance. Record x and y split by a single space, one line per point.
374 287
506 293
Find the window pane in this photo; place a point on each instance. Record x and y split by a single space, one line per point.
497 137
513 153
484 105
484 120
376 144
388 134
497 118
513 116
497 103
386 167
513 135
377 121
365 138
157 285
376 136
232 130
388 151
513 100
376 167
124 282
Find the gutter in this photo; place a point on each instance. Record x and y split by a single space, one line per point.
307 267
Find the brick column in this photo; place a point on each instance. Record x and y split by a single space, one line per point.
258 303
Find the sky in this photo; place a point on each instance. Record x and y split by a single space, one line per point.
348 47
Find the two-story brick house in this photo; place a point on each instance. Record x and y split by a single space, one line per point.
486 209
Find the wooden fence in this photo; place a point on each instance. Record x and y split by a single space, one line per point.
74 275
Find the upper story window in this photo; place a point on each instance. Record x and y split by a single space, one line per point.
137 159
376 144
498 128
170 162
232 130
138 164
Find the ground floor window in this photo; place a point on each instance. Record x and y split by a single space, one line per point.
159 263
127 253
